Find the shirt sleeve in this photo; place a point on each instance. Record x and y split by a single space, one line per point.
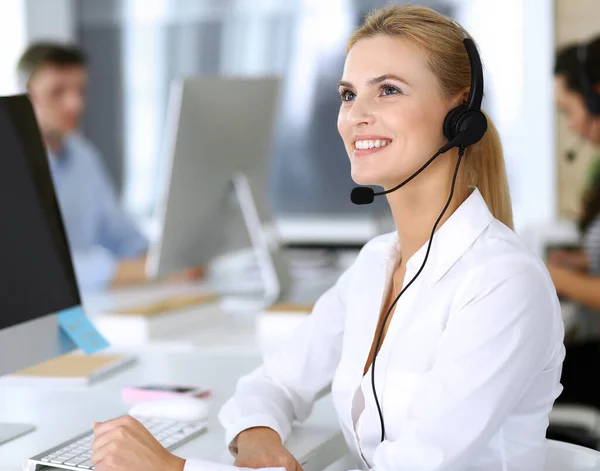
495 343
285 387
94 268
117 232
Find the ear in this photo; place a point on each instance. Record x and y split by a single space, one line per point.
597 88
464 96
461 98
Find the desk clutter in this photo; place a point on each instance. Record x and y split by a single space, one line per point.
69 370
140 323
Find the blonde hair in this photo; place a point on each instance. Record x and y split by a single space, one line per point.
441 39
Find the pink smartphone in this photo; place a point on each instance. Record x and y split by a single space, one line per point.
156 391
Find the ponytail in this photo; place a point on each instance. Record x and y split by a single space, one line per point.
485 169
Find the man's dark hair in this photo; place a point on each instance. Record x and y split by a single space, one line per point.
41 54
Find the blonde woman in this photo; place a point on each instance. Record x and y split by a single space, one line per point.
469 358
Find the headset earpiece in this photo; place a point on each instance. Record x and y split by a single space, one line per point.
466 123
471 125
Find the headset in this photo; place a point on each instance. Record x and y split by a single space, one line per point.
463 126
590 96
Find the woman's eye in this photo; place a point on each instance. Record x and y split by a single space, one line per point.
347 95
389 90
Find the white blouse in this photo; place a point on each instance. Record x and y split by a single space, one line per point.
466 375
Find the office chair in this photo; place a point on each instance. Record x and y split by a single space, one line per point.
563 456
575 424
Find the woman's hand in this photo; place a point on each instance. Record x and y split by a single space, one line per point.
124 444
261 447
575 260
559 277
189 274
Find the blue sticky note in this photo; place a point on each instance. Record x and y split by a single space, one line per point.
65 344
81 331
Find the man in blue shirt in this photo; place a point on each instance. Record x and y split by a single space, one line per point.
106 247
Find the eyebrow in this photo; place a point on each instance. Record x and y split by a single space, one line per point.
374 80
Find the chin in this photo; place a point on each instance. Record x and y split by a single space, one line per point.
376 175
68 128
368 177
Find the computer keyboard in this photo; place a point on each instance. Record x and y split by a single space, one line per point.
76 454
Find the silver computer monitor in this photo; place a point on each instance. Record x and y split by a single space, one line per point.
219 135
37 279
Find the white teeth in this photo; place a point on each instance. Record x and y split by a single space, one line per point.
367 144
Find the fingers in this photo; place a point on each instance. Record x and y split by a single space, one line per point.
111 435
120 432
104 427
99 454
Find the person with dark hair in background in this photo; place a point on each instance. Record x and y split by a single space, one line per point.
576 274
107 248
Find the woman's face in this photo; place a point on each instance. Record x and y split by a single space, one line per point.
392 110
572 105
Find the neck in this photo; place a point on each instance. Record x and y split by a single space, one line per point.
417 206
54 141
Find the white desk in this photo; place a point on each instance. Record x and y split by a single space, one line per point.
235 332
61 414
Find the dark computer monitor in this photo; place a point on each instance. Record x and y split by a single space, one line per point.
37 279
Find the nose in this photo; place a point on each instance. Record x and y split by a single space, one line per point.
361 112
74 102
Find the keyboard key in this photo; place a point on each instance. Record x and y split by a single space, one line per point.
75 462
169 433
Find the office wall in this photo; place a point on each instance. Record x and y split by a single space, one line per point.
516 40
23 21
50 19
13 33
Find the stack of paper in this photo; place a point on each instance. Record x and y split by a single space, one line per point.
159 320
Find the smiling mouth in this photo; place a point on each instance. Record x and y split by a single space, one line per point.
370 146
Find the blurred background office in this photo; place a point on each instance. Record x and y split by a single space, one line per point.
135 48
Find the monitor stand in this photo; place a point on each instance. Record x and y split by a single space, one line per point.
9 432
273 268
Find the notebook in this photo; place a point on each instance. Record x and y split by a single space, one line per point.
70 370
166 306
289 308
